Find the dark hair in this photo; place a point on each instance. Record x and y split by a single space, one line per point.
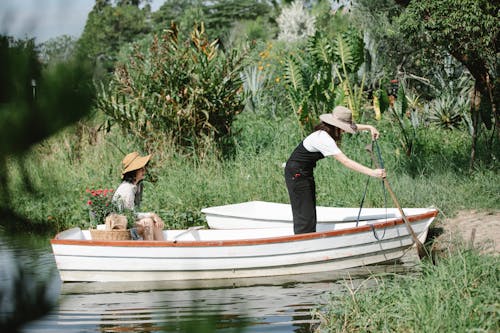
333 131
129 177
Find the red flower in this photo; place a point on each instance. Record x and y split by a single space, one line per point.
99 204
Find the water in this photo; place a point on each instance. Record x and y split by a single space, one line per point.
280 304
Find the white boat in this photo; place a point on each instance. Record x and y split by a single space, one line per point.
201 254
261 214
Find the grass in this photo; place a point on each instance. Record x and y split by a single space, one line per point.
178 186
458 294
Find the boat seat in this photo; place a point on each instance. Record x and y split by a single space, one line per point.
188 230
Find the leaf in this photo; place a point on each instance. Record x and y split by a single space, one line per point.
293 74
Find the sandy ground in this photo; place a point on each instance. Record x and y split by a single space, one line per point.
478 229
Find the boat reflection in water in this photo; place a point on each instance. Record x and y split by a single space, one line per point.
278 304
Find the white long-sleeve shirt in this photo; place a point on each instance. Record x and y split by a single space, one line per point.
124 198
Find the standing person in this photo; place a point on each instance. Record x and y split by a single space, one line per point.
323 142
128 195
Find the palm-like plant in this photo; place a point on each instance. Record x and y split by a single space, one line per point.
450 108
323 76
409 120
254 81
447 111
349 54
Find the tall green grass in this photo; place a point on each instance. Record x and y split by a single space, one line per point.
179 185
459 294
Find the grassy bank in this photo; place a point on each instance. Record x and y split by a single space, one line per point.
458 294
178 186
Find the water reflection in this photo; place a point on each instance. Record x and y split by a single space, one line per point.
256 309
278 304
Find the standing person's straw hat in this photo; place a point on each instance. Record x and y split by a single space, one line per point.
341 117
134 161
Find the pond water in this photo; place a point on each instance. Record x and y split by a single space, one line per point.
282 304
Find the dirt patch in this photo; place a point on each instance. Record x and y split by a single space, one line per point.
478 229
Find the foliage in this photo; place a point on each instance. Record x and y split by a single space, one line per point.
407 125
34 103
391 54
229 21
58 49
186 91
323 76
448 111
295 23
221 15
110 27
349 61
263 80
468 30
381 102
387 52
185 14
259 29
254 81
459 294
408 122
450 108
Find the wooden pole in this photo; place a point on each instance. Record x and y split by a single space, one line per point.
422 252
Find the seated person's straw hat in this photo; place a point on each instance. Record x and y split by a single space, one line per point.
134 161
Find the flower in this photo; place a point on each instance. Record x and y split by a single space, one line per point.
99 204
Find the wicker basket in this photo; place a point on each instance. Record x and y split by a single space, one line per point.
110 234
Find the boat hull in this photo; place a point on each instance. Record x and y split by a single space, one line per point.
229 254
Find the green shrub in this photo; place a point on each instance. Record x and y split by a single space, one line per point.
178 91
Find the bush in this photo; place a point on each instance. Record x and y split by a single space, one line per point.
185 92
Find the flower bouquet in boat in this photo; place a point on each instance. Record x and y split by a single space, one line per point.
104 223
242 252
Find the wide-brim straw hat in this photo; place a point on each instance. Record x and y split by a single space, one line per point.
340 117
134 161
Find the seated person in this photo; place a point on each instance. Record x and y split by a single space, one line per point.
128 195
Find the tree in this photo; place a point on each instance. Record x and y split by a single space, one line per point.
109 27
185 13
469 31
35 102
221 15
218 16
57 49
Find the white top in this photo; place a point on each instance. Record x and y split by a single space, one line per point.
321 141
124 198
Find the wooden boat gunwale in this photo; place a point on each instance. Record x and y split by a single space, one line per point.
245 242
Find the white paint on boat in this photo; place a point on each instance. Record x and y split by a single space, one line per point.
234 253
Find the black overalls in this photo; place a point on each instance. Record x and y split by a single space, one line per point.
302 189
